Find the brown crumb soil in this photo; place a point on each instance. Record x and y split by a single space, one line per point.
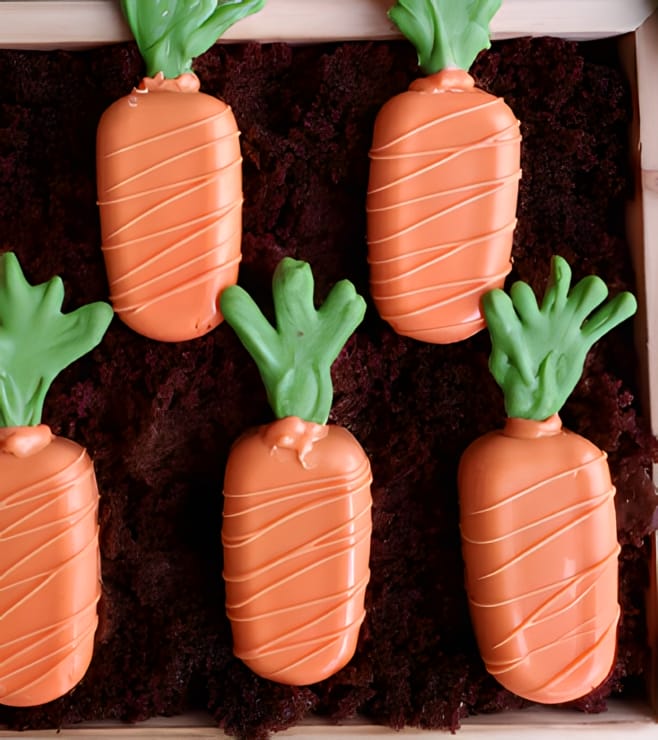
158 419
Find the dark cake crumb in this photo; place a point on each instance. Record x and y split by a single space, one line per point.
158 419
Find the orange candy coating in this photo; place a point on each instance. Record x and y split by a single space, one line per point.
49 565
441 205
540 547
170 197
296 538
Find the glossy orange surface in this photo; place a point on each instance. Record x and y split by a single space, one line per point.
170 197
540 547
49 565
441 205
296 538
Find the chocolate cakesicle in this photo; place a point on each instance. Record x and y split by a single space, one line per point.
444 176
169 177
49 555
297 503
537 513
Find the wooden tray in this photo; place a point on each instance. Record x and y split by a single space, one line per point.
78 23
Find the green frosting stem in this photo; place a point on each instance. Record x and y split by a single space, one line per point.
171 33
446 33
538 352
294 358
37 340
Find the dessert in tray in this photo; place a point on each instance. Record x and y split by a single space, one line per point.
442 193
169 177
51 580
296 520
537 515
159 418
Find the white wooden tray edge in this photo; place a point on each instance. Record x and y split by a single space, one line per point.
623 719
72 23
620 722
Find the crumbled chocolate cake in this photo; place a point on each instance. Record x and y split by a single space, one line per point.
158 419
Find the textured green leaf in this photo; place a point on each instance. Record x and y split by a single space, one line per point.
37 340
294 358
538 353
446 33
171 33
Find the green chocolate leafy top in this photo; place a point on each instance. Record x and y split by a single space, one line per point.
171 33
446 33
538 352
294 357
37 340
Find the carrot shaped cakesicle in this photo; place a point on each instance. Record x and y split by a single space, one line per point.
444 172
49 557
537 512
297 501
169 176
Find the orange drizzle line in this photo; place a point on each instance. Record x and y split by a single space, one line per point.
322 542
479 286
175 246
590 505
274 646
549 538
358 525
67 649
320 485
496 185
198 181
561 675
578 581
167 202
169 160
191 283
45 486
449 249
435 122
168 273
168 134
51 496
345 595
497 669
161 232
513 497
